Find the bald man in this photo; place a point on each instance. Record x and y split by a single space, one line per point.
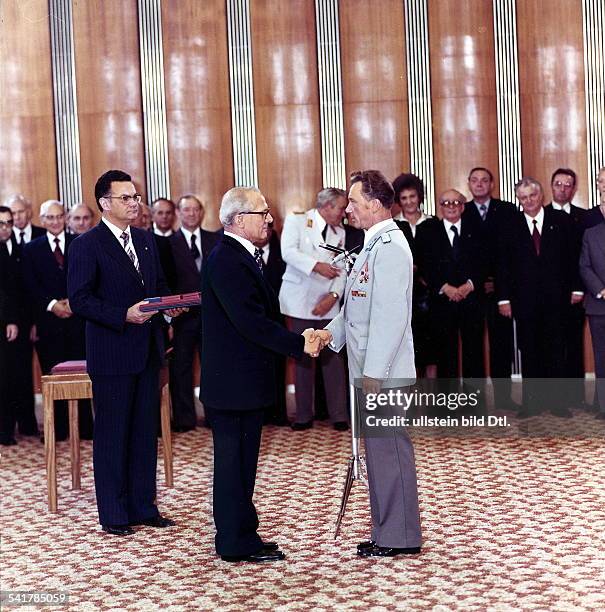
454 267
80 219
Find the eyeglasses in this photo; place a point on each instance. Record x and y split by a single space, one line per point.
6 223
265 213
562 184
126 198
54 217
451 203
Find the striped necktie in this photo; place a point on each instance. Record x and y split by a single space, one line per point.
126 239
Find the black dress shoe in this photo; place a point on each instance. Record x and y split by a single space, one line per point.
301 426
258 557
157 521
386 551
270 546
562 413
366 544
183 428
8 441
119 530
341 426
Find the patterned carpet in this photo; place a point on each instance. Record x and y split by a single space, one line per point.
509 524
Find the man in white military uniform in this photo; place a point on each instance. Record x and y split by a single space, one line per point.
310 295
375 324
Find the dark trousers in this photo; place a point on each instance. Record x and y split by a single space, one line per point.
541 342
597 331
466 318
186 342
574 355
125 445
333 370
19 374
236 435
501 347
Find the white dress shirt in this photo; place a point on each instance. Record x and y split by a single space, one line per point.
158 232
51 241
564 207
27 233
450 234
117 232
243 241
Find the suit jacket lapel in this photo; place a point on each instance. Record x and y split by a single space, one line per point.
184 253
114 249
144 256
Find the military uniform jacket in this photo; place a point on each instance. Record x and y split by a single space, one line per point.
301 287
376 319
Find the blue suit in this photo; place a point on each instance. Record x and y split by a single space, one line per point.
123 361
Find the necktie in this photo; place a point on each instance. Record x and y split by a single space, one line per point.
22 238
324 232
58 254
483 211
455 242
126 239
195 252
258 257
535 236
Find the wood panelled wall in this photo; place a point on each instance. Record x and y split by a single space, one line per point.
284 59
27 134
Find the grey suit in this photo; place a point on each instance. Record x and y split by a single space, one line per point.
375 324
592 270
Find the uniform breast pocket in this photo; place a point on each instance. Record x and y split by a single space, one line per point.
362 342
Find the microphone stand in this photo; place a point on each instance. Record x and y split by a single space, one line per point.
355 463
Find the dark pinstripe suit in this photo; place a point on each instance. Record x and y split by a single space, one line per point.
123 361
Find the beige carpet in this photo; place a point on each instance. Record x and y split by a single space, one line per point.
509 524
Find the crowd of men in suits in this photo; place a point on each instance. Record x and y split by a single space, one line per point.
482 262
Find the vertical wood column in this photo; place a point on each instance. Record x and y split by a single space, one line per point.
108 78
28 161
196 73
66 111
330 94
463 85
154 99
375 83
286 103
551 80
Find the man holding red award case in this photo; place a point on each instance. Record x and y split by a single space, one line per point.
114 268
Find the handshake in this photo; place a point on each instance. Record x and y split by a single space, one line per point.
316 340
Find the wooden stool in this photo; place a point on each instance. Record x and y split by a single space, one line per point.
72 386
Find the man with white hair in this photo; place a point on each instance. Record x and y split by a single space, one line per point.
310 297
60 332
23 229
241 333
80 219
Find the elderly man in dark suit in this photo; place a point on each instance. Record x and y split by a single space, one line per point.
592 270
9 328
114 268
563 184
492 215
537 273
60 332
190 247
454 268
19 399
241 333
